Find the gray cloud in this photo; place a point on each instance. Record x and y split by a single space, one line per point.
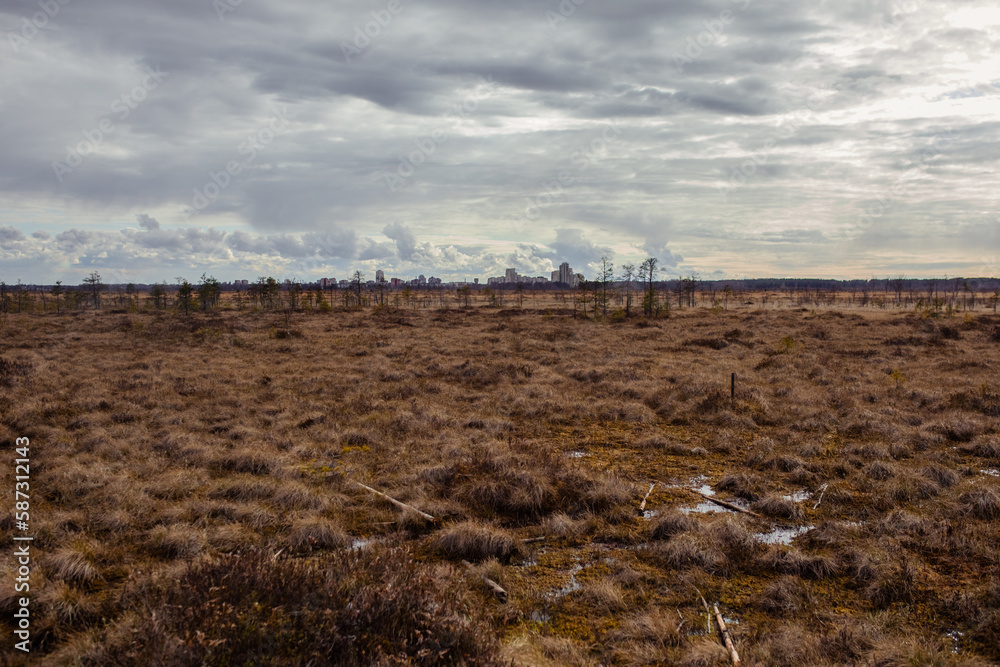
831 104
406 242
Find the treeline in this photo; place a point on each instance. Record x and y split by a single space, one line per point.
613 294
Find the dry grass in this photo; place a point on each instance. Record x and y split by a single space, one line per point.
476 541
171 449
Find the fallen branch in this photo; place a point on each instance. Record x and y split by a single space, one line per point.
723 503
733 655
530 540
708 612
397 503
494 586
642 506
822 490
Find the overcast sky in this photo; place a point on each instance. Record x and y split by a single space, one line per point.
456 138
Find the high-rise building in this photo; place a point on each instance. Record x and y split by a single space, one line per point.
566 274
380 276
511 275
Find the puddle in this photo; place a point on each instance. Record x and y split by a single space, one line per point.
991 471
693 483
783 535
705 508
359 544
730 621
708 506
649 514
798 496
578 454
540 617
699 484
573 584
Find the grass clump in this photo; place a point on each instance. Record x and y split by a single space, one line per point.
476 541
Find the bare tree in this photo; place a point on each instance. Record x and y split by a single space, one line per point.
896 284
604 278
628 275
356 286
647 272
93 281
57 290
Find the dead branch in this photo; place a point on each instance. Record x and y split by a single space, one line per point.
723 503
494 586
397 503
642 506
708 612
822 490
733 655
531 540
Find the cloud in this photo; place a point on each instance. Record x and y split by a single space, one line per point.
583 255
10 235
406 242
829 102
147 222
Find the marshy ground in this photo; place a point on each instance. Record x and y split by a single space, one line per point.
195 497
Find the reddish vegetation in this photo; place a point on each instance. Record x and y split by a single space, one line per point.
193 489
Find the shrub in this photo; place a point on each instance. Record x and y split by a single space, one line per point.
11 371
521 484
347 608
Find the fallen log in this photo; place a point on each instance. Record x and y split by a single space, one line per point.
494 586
723 503
642 505
733 655
397 503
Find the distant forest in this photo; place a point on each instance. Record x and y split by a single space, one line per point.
608 298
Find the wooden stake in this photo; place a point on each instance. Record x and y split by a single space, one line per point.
395 502
494 586
733 655
723 503
642 506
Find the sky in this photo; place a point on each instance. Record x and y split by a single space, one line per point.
456 138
